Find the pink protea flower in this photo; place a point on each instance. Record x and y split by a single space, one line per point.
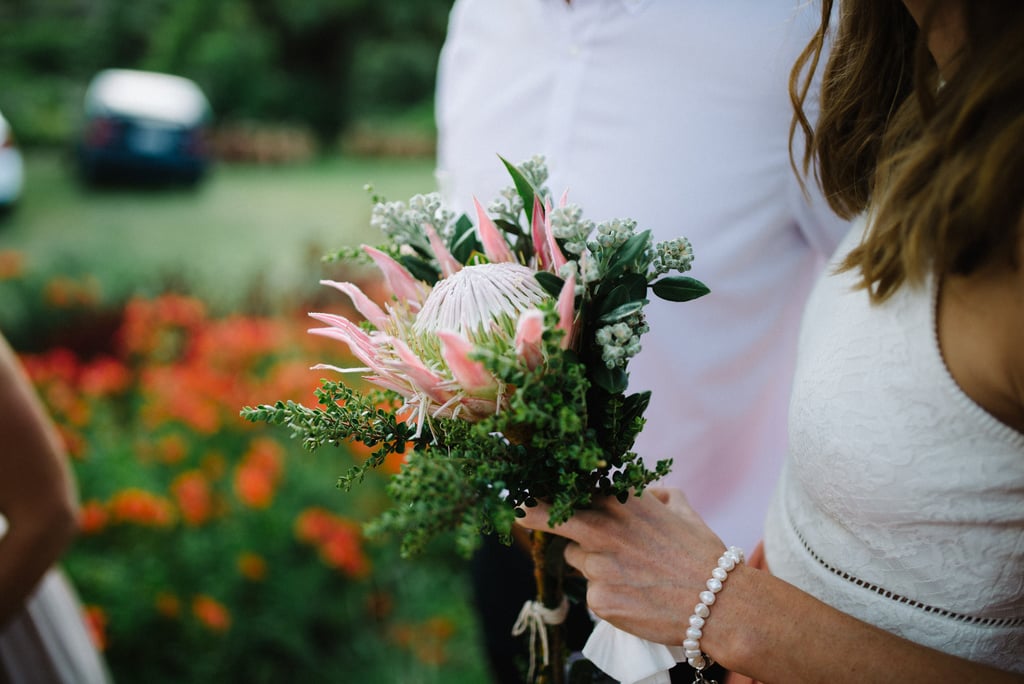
422 343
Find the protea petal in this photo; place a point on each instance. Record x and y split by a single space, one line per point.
539 231
529 332
449 264
495 247
555 252
426 380
469 374
564 199
364 305
401 282
351 334
567 310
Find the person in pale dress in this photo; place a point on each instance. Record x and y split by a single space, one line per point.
43 638
894 545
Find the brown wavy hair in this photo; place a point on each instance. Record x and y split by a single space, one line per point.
940 165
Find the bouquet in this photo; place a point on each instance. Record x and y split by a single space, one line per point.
498 369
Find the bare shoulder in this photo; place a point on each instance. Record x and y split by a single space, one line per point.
981 333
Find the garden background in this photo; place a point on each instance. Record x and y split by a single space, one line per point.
213 550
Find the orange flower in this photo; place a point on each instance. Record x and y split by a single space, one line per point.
253 486
256 477
96 624
140 507
104 377
192 492
338 541
172 448
211 613
59 292
150 326
168 605
313 525
343 551
92 517
265 454
252 566
12 264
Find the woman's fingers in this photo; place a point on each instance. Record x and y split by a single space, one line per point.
582 525
576 557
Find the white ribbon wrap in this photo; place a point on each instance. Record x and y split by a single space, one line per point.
628 658
534 616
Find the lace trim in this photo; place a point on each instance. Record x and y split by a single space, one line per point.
961 617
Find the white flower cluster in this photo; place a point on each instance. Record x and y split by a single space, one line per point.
671 255
509 205
621 341
612 234
402 223
535 170
568 224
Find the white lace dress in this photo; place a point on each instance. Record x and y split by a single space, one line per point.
902 500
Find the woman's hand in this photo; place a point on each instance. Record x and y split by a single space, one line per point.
645 560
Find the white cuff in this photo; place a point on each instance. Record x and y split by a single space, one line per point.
628 658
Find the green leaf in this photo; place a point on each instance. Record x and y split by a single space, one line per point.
419 268
628 287
464 241
551 283
624 311
635 405
509 227
679 288
611 380
628 253
523 187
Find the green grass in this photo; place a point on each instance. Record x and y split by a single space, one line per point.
247 229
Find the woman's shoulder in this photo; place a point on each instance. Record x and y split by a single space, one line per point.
981 333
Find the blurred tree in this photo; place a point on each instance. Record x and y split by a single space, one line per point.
316 63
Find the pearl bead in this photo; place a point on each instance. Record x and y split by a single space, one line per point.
697 663
693 654
714 585
697 621
719 574
701 610
707 597
726 563
691 645
694 633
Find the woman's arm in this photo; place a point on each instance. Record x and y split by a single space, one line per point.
647 560
37 494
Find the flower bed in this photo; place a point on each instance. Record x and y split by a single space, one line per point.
213 550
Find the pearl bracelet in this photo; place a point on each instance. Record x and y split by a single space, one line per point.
697 659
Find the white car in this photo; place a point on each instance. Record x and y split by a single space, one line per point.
12 167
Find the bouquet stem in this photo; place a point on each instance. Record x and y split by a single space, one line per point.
548 573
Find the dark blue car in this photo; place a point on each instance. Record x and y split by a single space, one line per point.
144 126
